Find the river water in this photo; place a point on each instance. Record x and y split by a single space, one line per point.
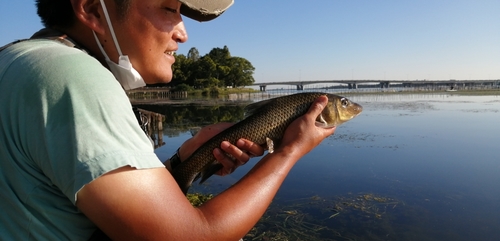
410 167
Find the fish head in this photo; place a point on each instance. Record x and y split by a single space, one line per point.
337 111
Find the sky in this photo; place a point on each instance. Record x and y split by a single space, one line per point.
292 40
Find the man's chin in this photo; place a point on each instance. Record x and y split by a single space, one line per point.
161 79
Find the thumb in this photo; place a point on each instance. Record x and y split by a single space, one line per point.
318 105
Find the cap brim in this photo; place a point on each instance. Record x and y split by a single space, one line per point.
204 10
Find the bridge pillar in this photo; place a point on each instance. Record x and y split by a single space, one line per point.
300 87
262 88
352 86
384 84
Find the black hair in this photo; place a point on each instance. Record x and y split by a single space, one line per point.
59 13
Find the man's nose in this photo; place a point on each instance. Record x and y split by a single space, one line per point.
180 33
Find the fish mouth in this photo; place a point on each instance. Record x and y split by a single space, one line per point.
357 109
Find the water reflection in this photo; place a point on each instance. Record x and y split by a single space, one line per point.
180 118
433 158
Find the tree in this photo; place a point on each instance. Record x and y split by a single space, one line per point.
241 72
203 70
222 73
220 56
180 70
217 68
193 54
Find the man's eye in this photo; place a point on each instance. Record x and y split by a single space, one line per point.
171 10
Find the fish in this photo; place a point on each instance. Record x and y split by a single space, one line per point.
264 123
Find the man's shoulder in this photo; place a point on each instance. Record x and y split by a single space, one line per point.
32 47
36 52
54 62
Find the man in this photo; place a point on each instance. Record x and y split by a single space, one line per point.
74 160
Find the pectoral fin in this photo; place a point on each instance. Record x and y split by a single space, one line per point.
270 145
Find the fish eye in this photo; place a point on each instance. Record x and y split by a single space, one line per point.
345 102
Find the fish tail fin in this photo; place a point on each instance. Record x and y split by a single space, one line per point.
209 171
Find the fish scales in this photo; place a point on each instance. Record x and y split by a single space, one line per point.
269 119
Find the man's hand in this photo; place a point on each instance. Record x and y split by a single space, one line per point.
242 151
303 135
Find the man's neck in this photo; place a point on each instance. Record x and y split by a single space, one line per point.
83 36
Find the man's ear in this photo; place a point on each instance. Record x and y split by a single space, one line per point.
88 13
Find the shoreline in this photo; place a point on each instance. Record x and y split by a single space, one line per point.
240 96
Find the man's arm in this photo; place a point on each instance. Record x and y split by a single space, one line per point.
130 204
241 155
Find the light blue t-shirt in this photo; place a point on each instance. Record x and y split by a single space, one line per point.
64 121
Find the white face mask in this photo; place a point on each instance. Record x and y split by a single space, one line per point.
128 77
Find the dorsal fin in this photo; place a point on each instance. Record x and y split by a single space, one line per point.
255 107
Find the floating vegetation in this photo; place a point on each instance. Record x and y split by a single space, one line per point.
399 105
349 217
316 218
360 140
481 110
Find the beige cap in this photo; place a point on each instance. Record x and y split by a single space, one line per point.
204 10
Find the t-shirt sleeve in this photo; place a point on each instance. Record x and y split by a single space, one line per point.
83 125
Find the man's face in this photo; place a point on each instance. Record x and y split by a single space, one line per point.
149 34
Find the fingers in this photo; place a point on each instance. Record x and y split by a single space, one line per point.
233 156
230 157
227 163
250 147
203 135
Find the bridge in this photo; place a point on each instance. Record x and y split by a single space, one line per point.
354 84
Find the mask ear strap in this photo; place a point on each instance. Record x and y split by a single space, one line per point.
110 28
100 46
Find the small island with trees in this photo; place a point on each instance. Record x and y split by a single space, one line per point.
211 72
